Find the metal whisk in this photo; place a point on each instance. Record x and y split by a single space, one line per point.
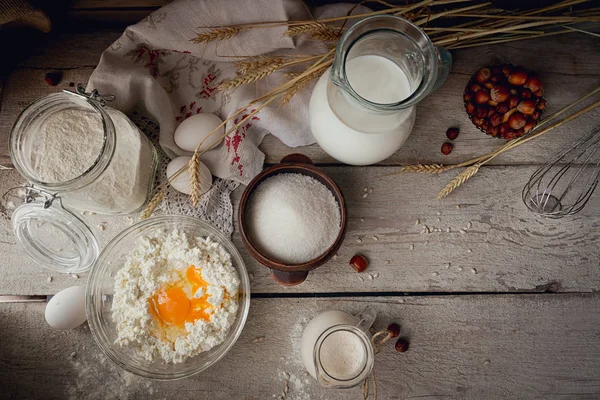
564 185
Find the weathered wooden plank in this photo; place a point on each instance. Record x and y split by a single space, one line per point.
467 347
436 113
510 248
99 4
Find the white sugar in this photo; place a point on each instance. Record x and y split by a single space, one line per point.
293 218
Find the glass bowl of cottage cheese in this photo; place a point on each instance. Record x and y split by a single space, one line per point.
168 297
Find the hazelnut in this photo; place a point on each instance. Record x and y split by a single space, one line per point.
526 107
470 108
53 78
359 262
541 105
447 148
536 115
539 93
506 70
488 85
482 97
517 78
402 345
491 111
492 103
533 83
503 128
499 93
482 111
452 133
483 75
502 108
526 94
493 131
510 134
517 120
529 125
468 96
474 87
496 119
513 102
394 330
496 78
477 121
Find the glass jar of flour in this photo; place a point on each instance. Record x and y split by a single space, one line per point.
77 154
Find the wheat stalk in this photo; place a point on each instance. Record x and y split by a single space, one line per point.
252 76
303 83
269 96
458 180
153 203
317 31
243 67
426 168
194 174
223 33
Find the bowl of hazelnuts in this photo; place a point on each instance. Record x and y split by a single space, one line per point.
504 101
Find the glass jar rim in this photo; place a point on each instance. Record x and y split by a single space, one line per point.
338 70
369 356
99 165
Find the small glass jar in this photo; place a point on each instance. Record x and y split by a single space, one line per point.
76 154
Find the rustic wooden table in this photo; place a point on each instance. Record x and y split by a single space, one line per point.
509 309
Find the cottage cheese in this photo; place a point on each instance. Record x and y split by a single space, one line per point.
158 261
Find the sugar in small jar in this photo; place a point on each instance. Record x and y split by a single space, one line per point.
76 154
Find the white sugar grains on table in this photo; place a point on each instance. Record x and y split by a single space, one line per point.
293 218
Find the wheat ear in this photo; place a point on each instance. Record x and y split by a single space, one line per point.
243 67
303 83
194 174
426 168
252 76
153 203
458 180
316 30
217 34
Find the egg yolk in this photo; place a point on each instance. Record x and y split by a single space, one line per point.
173 306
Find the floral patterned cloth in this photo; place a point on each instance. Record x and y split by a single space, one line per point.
154 66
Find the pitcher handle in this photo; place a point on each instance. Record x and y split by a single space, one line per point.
444 67
366 318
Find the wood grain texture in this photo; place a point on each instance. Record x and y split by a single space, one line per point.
567 65
467 347
510 248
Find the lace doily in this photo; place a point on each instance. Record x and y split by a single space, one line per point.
215 205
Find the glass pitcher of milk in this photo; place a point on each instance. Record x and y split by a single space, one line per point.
363 108
336 348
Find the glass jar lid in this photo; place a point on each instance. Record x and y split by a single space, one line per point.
53 236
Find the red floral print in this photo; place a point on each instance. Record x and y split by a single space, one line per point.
233 142
150 57
187 110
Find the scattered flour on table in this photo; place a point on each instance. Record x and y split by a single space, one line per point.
156 262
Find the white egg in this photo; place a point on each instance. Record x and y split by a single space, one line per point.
194 129
66 309
181 182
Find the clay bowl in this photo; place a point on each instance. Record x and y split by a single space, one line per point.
287 274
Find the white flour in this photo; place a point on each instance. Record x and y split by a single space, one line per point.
71 140
154 263
70 143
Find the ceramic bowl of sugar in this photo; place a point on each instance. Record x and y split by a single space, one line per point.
168 297
292 218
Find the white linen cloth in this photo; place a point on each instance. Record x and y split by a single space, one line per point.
154 67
